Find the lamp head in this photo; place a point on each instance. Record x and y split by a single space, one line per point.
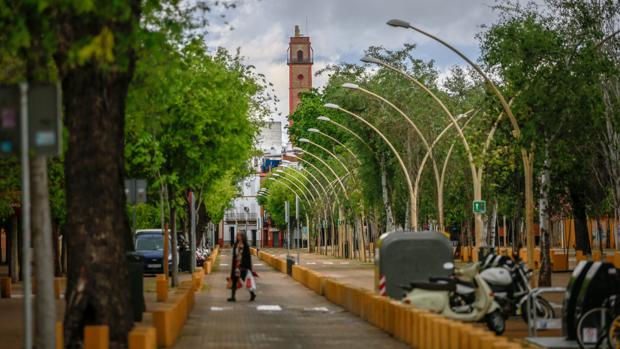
370 59
314 130
304 140
350 85
323 118
398 23
331 106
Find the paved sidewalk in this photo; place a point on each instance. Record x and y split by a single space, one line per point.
284 315
362 275
347 271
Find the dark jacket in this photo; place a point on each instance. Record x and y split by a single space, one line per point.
246 261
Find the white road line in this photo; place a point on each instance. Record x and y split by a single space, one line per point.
310 263
328 263
224 264
268 308
218 309
344 262
321 309
258 264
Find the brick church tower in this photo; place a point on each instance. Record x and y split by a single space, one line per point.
300 59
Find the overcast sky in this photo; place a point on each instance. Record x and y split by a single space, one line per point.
340 30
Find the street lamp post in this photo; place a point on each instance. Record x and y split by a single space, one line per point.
477 170
333 139
417 131
326 165
412 198
526 155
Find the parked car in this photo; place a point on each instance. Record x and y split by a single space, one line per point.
149 244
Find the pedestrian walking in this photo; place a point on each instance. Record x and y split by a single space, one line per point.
241 273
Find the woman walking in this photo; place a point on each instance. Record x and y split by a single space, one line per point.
242 267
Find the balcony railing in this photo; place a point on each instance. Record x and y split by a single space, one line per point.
295 60
250 216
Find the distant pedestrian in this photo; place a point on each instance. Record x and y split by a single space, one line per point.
242 268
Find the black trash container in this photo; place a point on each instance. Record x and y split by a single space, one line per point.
290 261
135 266
185 260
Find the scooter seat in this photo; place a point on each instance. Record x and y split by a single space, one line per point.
469 284
435 286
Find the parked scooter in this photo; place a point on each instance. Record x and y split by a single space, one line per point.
510 281
465 296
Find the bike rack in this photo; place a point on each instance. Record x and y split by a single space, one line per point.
532 316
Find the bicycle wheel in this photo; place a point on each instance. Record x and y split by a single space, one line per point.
614 334
544 310
593 329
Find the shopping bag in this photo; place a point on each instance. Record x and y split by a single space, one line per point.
250 283
229 283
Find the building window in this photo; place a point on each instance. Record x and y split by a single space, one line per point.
300 56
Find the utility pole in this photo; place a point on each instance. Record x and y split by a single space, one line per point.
192 235
26 274
287 218
298 231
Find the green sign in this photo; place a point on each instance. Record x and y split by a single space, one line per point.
480 206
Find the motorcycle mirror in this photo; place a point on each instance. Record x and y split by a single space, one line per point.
448 265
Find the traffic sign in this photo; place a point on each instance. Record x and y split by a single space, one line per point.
44 130
480 206
9 120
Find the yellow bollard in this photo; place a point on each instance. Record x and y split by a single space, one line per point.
60 336
142 337
5 287
579 256
96 337
161 287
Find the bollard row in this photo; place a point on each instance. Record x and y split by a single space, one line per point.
418 328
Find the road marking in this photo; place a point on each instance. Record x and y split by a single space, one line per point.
259 264
328 263
218 309
310 263
224 264
344 263
321 309
268 308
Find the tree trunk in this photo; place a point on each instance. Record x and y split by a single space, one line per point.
173 238
56 250
97 226
389 216
45 305
544 278
14 253
582 240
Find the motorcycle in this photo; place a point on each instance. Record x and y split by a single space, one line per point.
464 296
510 281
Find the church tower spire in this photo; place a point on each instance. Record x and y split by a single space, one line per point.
299 60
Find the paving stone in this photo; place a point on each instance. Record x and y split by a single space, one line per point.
306 320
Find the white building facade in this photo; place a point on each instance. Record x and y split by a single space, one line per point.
245 214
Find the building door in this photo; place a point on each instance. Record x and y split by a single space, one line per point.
276 241
232 235
254 237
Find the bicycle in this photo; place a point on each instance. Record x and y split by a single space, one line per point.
599 328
